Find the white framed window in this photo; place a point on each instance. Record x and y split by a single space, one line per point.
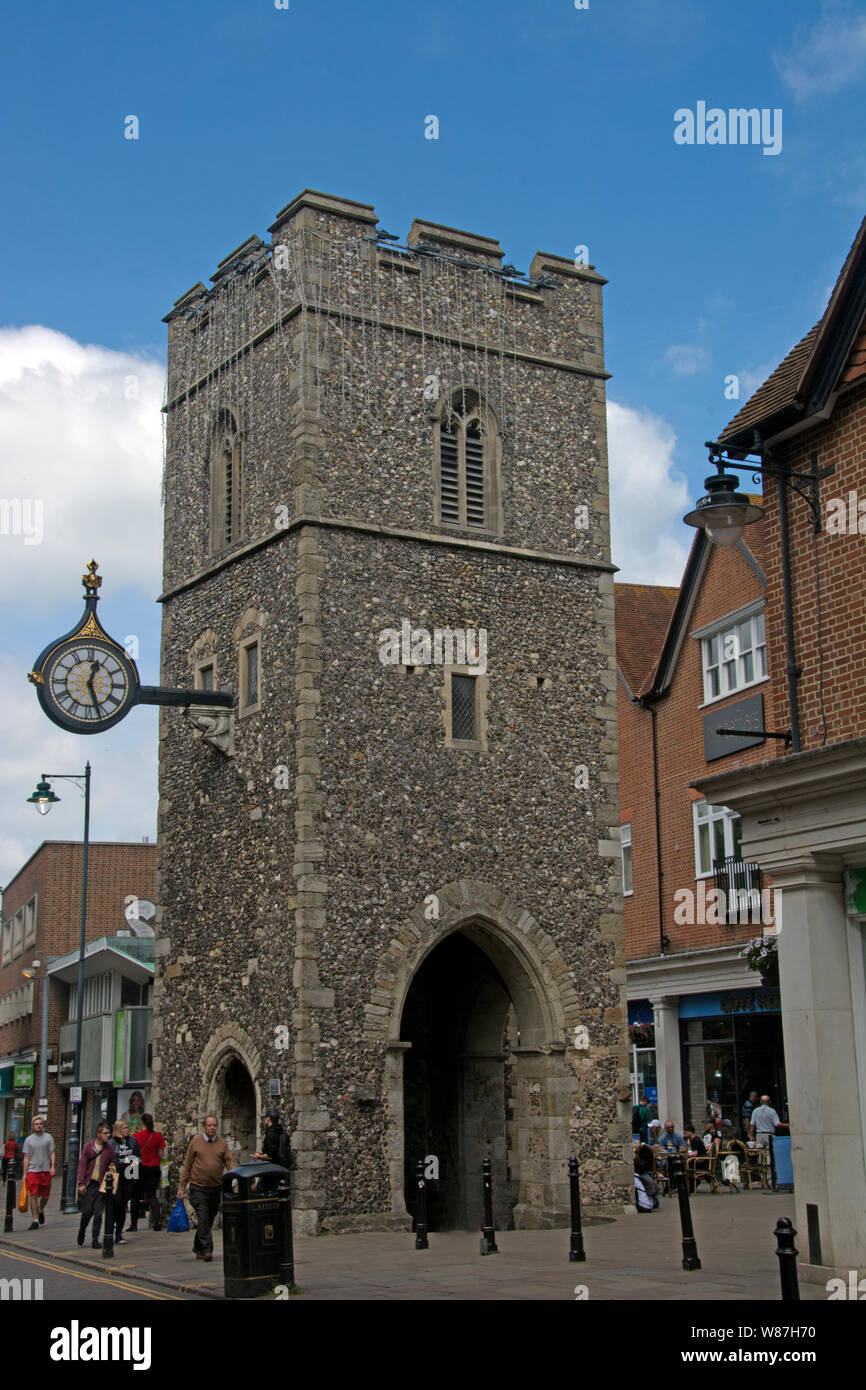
734 656
625 840
7 942
718 833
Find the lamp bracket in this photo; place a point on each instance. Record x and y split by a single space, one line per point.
806 485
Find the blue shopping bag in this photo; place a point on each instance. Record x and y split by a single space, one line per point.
178 1221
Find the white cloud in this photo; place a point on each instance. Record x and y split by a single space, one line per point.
686 359
82 433
648 499
826 57
82 439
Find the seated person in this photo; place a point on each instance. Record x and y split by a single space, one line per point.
711 1139
670 1139
643 1159
693 1142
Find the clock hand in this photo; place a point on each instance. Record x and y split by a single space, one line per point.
97 665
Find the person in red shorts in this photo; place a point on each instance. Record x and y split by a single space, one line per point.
38 1170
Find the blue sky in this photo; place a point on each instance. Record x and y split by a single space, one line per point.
555 130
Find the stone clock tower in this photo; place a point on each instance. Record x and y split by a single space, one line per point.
389 878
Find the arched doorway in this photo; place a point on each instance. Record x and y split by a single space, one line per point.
237 1108
460 1099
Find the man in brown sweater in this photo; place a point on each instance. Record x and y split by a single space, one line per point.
207 1158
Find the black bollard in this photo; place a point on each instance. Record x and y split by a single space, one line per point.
108 1217
287 1263
10 1196
787 1253
488 1234
421 1241
772 1166
679 1177
577 1251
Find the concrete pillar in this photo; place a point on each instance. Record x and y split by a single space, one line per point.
666 1011
820 1058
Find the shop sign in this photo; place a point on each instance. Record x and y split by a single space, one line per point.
67 1065
751 1001
23 1076
855 892
119 1046
746 715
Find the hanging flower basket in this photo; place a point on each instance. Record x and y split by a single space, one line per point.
762 955
642 1034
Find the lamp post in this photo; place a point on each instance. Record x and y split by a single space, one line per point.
31 974
43 799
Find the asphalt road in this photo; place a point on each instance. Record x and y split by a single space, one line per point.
62 1282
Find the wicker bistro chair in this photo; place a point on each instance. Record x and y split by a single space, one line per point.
703 1170
752 1170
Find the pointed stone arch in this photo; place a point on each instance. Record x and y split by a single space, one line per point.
546 1006
227 1045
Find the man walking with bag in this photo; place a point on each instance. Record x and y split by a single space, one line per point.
207 1158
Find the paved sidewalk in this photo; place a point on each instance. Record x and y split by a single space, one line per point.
632 1258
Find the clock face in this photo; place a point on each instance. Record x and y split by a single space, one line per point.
87 684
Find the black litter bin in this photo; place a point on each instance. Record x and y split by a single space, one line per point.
257 1229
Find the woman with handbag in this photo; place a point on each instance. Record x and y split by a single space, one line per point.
97 1157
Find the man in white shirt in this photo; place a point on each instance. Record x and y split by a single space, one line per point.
763 1122
38 1170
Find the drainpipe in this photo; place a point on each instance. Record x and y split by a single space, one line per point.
663 939
791 663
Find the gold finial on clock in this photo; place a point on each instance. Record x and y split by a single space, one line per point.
91 580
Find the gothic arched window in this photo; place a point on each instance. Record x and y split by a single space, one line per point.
467 483
226 482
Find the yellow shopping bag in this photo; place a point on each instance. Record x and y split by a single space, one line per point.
22 1200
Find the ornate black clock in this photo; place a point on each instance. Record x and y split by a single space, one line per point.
86 682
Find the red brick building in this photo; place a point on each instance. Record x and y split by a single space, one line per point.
804 813
690 661
42 918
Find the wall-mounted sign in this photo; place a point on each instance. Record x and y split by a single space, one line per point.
855 892
119 1046
23 1076
746 714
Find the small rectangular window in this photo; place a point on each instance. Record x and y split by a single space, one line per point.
250 675
7 942
625 838
463 724
205 676
18 932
